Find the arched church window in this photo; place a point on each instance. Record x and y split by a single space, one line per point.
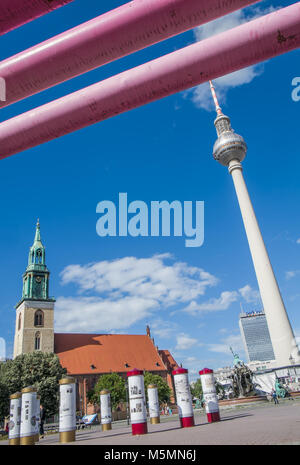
39 318
37 341
19 322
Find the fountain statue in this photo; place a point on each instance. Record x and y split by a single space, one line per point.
242 378
281 391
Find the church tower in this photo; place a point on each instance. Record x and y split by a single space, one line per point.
35 311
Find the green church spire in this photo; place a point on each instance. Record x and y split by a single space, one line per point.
36 276
36 258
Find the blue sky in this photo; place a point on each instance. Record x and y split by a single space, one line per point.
162 151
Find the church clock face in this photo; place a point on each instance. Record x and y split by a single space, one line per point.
37 287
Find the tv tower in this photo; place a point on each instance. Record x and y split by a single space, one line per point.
230 150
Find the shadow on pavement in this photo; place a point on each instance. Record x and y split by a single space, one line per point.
233 417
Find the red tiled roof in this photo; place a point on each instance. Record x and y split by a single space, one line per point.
168 359
106 352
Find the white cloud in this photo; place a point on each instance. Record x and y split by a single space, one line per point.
163 329
234 340
298 241
201 95
221 303
291 274
94 314
185 342
250 295
115 294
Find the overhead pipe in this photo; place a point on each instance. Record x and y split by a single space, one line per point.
15 13
243 46
117 33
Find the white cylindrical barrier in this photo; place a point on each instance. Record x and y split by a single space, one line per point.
67 410
37 418
27 429
183 397
210 395
15 419
105 406
153 404
137 401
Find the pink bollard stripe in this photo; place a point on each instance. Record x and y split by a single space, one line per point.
119 32
15 13
250 43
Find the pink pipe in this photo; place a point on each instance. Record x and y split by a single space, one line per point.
15 13
119 32
250 43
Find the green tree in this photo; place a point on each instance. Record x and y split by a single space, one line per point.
4 401
196 389
38 369
114 383
163 389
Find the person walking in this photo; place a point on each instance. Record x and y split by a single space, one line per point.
275 398
42 421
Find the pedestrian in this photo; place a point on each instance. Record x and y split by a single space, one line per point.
7 428
275 398
42 421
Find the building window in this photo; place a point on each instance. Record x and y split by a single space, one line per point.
19 322
37 341
39 318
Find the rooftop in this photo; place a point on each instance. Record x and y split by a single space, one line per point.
105 353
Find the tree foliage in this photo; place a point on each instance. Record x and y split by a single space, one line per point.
196 389
163 390
4 401
115 384
38 369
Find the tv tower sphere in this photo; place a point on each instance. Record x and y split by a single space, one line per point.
230 150
229 145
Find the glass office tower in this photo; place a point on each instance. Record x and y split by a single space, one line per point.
256 336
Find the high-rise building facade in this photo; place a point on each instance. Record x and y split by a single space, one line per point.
256 336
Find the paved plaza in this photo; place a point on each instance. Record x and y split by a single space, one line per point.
261 424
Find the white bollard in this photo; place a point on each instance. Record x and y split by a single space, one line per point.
105 406
67 410
153 404
15 419
27 429
183 397
210 395
137 401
